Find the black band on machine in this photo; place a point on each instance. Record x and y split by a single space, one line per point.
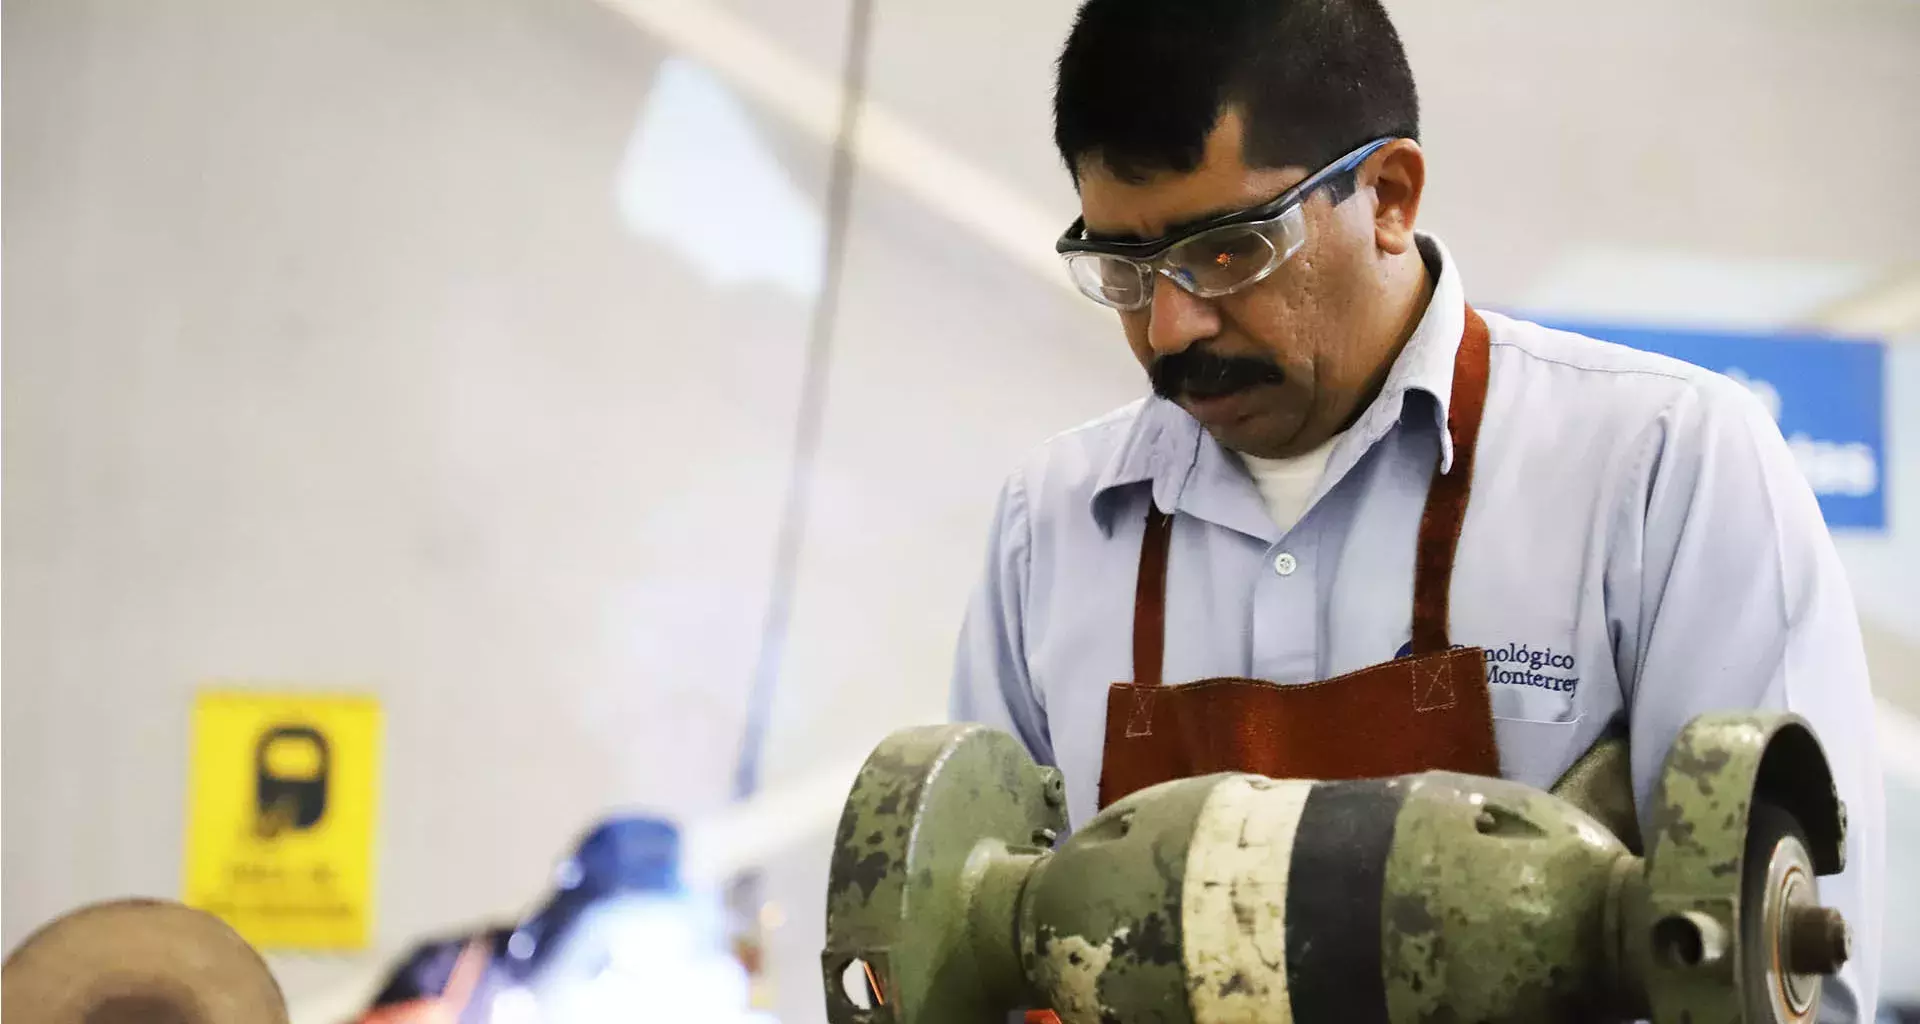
1334 924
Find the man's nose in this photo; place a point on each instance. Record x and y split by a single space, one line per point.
1178 318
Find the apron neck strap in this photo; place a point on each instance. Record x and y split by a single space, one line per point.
1150 598
1446 508
1440 522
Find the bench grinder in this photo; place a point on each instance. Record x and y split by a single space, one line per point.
1431 897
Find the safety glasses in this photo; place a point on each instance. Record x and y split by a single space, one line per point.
1217 258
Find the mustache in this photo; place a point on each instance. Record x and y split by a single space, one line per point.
1198 372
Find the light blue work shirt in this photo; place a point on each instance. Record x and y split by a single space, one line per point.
1639 544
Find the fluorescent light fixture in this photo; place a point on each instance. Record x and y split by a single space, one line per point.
699 178
888 147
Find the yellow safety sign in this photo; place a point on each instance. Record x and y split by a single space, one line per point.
280 832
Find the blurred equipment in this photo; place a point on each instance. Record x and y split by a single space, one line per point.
620 939
138 962
1435 896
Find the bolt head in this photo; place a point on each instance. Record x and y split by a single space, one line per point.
1056 789
1818 940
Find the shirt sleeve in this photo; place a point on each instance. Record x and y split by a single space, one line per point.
1724 592
990 681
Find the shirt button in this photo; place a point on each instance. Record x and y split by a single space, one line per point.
1284 563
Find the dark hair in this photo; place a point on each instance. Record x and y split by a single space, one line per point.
1142 82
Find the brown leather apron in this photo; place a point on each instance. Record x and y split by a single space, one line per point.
1428 710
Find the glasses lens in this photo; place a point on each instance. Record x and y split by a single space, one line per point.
1221 260
1109 280
1228 259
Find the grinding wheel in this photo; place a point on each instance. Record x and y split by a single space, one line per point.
138 962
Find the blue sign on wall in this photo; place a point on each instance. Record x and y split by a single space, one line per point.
1826 393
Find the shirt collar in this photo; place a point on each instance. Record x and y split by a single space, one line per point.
1426 362
1159 448
1189 470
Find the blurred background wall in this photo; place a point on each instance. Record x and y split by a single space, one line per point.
453 351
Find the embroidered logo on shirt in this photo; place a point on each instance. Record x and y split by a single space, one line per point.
1518 664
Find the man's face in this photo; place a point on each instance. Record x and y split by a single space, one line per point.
1301 320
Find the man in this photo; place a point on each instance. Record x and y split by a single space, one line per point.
1345 474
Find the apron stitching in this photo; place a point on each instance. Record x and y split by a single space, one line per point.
1140 723
1436 687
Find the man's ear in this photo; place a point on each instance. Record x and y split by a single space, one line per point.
1397 174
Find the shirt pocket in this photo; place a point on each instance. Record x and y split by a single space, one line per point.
1536 753
1513 702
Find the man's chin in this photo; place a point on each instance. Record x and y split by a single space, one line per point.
1217 411
1247 422
1236 410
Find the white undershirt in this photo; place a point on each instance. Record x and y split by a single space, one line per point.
1286 484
